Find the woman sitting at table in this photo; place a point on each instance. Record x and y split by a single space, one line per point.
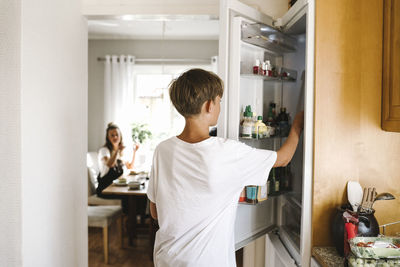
111 161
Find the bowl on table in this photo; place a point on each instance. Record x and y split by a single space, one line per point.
134 185
122 181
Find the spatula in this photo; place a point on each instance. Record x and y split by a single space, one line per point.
354 194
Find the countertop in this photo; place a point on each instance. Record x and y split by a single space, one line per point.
327 257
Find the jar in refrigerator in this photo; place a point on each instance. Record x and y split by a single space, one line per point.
260 129
256 67
251 194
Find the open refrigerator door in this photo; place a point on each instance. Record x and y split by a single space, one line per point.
265 68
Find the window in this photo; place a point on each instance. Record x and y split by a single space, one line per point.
152 105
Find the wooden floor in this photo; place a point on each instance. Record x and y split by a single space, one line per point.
132 256
129 256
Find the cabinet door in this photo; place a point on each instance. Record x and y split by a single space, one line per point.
391 67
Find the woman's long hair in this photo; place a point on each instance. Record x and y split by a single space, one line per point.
108 144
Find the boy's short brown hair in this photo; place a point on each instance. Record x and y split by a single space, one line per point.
192 89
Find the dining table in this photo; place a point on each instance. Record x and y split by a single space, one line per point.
133 196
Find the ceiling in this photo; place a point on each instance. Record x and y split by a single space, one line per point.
144 29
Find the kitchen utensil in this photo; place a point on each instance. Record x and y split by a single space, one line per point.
368 199
364 199
384 196
358 194
372 198
354 194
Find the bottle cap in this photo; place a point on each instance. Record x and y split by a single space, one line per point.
259 118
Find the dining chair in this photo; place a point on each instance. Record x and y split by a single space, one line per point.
103 216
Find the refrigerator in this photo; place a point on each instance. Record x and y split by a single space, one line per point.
246 35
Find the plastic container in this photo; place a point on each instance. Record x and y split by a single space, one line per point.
375 247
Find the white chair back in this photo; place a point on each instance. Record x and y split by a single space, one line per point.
93 171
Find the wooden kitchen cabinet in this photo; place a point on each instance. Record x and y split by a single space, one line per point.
391 66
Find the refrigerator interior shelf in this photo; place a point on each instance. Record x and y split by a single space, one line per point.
293 200
267 37
267 78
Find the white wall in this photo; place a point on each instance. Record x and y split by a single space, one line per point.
43 133
10 133
155 7
140 49
273 8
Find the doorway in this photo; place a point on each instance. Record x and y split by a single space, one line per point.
160 48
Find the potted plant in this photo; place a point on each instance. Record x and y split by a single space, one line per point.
140 133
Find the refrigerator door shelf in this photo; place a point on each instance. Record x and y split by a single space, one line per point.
267 37
267 78
271 196
271 143
294 21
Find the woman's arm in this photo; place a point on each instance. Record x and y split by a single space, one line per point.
131 164
153 210
110 162
286 152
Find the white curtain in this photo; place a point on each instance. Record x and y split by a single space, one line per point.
118 93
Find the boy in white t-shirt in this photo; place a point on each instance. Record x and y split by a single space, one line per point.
196 180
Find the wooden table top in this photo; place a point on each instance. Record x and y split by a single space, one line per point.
124 190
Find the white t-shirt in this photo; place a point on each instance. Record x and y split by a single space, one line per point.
196 188
103 168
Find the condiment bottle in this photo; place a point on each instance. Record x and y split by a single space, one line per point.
259 130
272 181
276 179
269 184
269 68
247 125
256 66
242 197
264 69
283 122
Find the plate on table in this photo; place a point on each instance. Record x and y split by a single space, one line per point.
141 173
118 183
